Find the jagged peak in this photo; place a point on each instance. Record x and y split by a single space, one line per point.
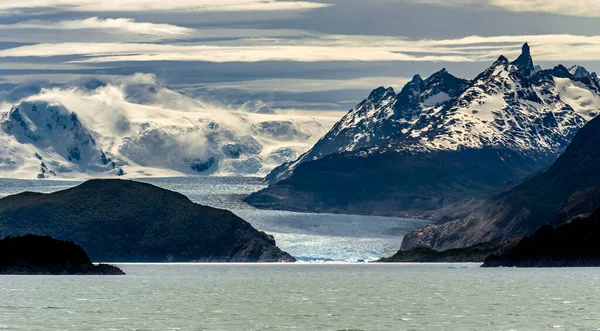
561 71
501 60
524 62
439 73
416 79
442 74
381 92
579 71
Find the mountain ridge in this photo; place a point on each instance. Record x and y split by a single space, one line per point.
512 109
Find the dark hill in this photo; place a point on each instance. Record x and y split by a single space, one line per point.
571 245
519 211
36 255
115 220
477 253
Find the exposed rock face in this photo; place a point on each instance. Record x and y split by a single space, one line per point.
37 255
512 116
571 183
128 221
579 205
477 253
571 245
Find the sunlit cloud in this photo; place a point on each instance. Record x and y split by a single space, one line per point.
96 29
119 24
324 48
580 8
121 52
158 5
311 85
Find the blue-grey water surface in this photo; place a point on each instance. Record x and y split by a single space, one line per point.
305 297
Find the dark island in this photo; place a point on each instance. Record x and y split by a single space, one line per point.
477 253
128 221
37 255
574 244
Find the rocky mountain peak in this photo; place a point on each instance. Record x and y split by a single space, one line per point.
560 71
417 79
381 93
579 72
502 60
524 62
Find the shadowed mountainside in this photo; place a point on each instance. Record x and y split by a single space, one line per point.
521 210
115 220
571 245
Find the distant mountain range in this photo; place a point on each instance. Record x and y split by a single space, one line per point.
133 128
439 140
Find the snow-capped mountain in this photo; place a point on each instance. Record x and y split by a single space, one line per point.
517 114
380 117
509 105
135 127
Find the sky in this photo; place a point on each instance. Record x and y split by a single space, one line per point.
309 55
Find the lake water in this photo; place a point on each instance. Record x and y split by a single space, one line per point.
305 297
308 237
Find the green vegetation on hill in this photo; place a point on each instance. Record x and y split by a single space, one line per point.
116 220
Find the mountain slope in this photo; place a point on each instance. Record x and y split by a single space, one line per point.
396 154
571 245
116 220
379 117
570 183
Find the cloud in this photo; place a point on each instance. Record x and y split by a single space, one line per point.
96 29
579 8
310 85
158 5
128 30
119 24
121 52
324 48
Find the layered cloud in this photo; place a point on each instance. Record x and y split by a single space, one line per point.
324 48
92 29
120 24
153 5
312 85
95 29
581 8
